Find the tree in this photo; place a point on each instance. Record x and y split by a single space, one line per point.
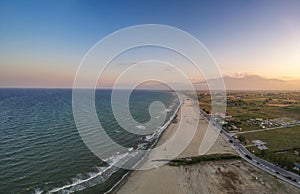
241 138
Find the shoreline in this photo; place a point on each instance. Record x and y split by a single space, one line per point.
166 127
165 136
226 176
166 178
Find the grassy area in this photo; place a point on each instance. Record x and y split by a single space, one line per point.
204 158
285 160
254 110
277 139
253 149
291 109
244 113
246 127
243 106
283 146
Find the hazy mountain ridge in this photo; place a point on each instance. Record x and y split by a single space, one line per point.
245 82
252 82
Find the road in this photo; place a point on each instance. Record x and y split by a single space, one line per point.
264 165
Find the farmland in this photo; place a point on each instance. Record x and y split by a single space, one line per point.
283 146
270 117
256 109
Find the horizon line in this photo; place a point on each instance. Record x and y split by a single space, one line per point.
70 88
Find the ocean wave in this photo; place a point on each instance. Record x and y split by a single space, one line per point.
140 127
167 110
119 158
38 191
142 145
150 137
104 172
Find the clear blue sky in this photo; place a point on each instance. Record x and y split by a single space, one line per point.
244 36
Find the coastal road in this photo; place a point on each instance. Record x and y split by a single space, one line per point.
280 173
264 165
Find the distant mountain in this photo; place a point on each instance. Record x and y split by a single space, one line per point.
252 82
245 82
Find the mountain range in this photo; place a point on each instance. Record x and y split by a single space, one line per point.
252 82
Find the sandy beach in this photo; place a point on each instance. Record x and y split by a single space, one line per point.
165 175
233 176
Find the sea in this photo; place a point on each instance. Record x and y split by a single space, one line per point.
41 150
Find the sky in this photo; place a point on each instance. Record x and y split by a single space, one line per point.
43 42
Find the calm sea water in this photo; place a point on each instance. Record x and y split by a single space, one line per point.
41 150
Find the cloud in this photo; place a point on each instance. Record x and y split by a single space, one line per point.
128 63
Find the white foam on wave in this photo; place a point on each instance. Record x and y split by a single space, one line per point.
167 110
162 128
122 158
158 131
142 145
150 137
114 159
38 191
140 127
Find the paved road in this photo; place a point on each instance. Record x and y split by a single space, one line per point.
264 165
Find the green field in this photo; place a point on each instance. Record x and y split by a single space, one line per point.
291 109
243 106
277 139
252 110
283 146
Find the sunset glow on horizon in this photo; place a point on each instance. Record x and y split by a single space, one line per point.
43 43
